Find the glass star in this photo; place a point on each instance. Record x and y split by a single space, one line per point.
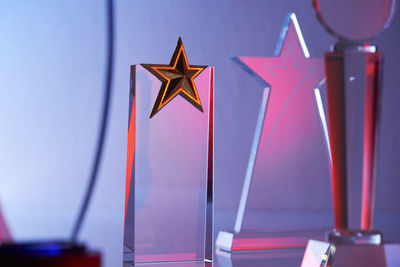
287 114
291 71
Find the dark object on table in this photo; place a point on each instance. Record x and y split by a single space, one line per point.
48 253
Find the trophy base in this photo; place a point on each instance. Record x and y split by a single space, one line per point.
260 258
345 254
48 253
164 260
128 255
355 237
263 240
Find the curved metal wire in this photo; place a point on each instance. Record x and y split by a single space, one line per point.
103 126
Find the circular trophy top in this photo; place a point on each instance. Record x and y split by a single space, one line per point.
355 20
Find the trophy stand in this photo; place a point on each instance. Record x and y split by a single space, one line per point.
353 80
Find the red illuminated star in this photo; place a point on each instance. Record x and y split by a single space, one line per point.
177 78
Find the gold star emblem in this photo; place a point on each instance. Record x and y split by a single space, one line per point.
177 79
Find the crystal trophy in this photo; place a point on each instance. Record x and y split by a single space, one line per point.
288 152
169 179
353 87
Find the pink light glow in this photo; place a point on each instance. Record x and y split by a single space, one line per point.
371 117
5 234
289 75
292 140
269 243
166 257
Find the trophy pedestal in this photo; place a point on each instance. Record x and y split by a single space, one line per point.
339 255
352 248
264 240
355 237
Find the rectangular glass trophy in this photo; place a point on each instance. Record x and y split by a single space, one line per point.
168 208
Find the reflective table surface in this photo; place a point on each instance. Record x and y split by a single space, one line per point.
282 258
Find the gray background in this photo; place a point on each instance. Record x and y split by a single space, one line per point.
51 75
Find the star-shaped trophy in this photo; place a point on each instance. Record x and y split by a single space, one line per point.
288 124
177 78
169 175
